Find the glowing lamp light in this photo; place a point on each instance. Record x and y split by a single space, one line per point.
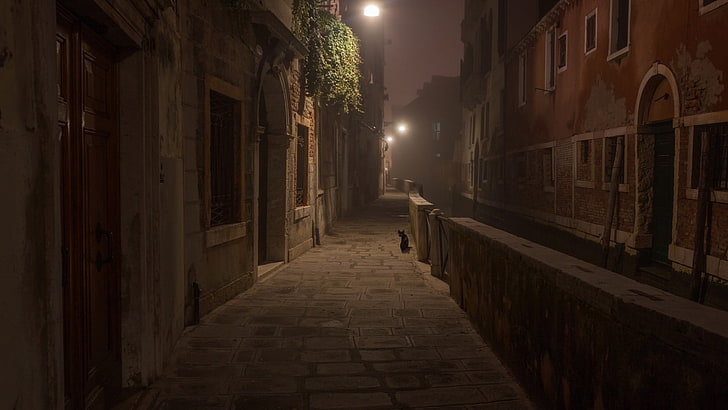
371 11
390 139
402 128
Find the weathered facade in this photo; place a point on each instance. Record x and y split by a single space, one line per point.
490 28
155 156
593 75
425 153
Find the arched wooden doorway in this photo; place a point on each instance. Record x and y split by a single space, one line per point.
657 107
273 134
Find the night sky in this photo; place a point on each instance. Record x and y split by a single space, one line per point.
425 41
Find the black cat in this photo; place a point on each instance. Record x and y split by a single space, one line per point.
404 242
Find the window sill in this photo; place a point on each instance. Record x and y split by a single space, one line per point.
622 187
584 184
587 52
618 54
302 212
561 69
225 233
720 197
710 7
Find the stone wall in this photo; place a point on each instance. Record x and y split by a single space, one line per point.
407 186
419 208
212 52
30 297
578 336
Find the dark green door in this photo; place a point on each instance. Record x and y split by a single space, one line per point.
663 194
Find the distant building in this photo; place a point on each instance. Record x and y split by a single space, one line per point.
424 153
593 75
364 131
490 28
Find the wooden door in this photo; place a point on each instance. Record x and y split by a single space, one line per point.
87 85
664 172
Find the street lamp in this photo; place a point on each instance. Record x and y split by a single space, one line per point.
390 139
371 11
402 128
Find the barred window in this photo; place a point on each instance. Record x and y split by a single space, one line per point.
302 166
225 186
718 156
584 160
610 151
547 161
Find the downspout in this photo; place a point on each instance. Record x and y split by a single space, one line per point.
696 293
611 204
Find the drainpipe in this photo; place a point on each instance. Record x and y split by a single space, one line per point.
613 192
700 219
196 301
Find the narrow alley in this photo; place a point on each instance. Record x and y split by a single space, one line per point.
353 323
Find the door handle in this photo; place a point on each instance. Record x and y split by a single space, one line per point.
100 233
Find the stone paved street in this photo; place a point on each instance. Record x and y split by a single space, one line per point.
352 324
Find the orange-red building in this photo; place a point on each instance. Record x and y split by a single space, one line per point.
587 73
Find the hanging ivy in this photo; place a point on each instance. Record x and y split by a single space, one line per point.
331 67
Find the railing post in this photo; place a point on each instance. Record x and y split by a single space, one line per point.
435 243
421 235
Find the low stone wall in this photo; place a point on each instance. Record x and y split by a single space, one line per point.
419 208
581 337
407 186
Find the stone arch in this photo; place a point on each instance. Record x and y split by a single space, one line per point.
273 92
657 108
658 77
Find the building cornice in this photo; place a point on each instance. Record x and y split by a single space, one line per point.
546 22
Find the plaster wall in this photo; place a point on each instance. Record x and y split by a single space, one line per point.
596 96
31 345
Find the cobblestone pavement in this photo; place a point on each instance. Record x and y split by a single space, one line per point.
352 324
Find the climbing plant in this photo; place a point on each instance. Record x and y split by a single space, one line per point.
331 66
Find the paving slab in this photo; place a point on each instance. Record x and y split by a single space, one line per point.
351 324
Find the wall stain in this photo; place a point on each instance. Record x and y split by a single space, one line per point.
5 56
700 81
603 109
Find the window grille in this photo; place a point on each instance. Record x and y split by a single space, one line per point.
718 151
224 160
610 151
302 167
585 151
548 167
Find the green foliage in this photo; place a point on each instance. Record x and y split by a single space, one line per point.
331 67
